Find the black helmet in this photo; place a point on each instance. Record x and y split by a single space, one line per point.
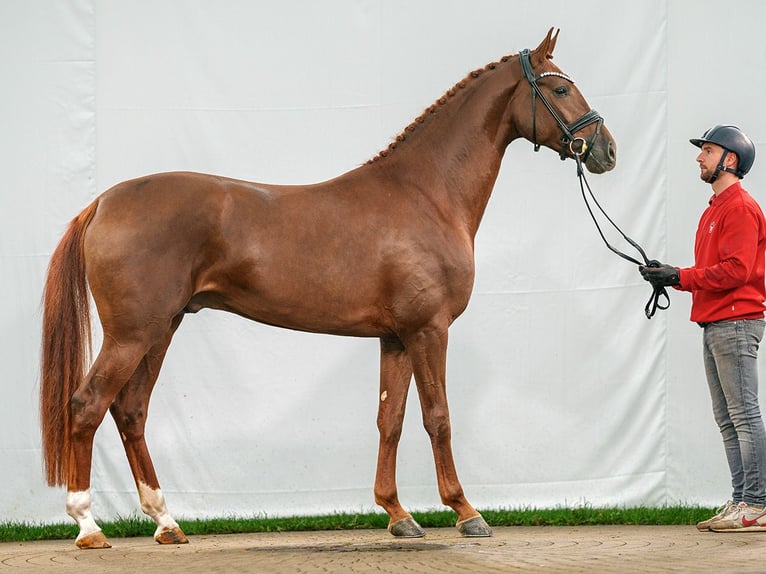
732 139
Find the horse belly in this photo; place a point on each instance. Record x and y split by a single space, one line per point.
357 291
301 295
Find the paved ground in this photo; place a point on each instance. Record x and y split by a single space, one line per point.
592 549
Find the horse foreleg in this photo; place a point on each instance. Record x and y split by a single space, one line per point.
395 376
428 353
129 412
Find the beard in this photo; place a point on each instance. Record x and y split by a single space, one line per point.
706 174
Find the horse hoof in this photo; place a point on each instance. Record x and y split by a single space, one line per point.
94 541
171 536
406 528
475 527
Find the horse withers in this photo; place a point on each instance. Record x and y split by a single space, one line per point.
385 250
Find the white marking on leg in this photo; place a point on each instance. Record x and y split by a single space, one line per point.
153 504
78 507
383 396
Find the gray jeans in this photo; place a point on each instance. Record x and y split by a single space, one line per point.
730 351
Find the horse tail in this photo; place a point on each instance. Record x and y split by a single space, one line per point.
66 344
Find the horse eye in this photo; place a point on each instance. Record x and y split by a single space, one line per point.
561 91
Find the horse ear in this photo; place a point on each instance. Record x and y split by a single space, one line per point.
546 47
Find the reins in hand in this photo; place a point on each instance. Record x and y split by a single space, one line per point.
659 298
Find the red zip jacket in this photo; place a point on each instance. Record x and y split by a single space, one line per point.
727 280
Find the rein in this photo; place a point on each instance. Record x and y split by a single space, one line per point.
580 149
659 299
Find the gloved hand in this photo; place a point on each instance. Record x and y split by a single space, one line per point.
660 274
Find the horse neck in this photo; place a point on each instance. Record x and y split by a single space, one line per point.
454 155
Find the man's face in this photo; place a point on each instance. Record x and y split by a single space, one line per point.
708 159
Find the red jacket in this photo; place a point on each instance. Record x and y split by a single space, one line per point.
727 280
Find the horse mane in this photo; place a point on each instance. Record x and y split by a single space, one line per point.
433 108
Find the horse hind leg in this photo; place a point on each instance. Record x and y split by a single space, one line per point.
88 405
129 411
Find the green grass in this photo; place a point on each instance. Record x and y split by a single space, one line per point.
135 525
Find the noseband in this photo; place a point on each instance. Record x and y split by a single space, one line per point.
568 139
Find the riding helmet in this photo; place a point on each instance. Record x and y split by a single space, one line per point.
732 139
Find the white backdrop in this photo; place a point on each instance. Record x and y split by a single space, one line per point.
561 392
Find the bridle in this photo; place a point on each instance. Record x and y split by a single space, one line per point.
568 138
580 149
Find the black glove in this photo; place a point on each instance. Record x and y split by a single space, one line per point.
660 274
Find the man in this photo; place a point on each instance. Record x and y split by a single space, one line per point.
728 293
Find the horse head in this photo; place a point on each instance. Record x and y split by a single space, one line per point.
560 117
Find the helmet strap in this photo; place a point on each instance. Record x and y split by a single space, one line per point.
719 168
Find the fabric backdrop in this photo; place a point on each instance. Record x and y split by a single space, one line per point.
561 392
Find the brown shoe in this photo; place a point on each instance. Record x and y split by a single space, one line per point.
723 511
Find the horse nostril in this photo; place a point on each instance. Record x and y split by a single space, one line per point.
611 151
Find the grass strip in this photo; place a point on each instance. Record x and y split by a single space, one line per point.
137 526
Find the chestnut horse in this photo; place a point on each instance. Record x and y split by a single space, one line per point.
385 250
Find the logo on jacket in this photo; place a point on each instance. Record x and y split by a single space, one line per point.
710 229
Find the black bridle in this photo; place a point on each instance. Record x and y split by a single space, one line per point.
568 138
659 298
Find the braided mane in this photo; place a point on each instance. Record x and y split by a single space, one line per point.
433 108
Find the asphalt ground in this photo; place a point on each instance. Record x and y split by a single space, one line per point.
592 549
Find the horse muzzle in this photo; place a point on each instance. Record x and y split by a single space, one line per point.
603 154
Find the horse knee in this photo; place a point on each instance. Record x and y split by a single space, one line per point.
437 424
389 433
